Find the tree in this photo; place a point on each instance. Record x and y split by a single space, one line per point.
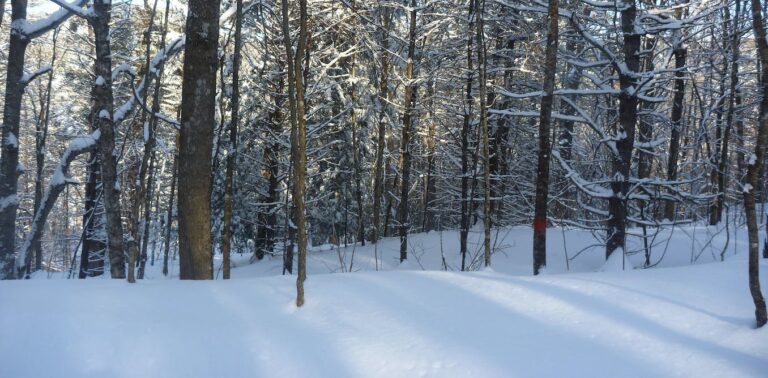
542 176
382 99
296 80
198 110
232 155
409 104
754 165
22 33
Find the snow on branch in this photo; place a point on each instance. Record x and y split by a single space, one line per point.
56 184
37 28
84 13
139 91
29 77
589 188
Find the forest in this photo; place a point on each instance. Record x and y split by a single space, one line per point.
148 140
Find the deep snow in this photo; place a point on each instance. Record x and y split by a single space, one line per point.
681 321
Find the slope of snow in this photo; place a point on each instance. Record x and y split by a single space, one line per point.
568 250
689 321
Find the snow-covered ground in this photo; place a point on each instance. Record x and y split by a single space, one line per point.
410 320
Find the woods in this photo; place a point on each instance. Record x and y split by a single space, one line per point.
185 134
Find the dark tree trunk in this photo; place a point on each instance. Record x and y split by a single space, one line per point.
102 116
229 180
405 142
429 180
169 215
753 168
722 167
482 77
545 119
625 132
93 246
265 235
382 101
198 106
680 53
9 162
40 147
465 133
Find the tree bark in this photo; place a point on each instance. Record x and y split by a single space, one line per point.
229 179
405 142
9 162
625 132
298 135
465 132
545 120
382 101
482 74
754 165
198 107
680 52
40 147
169 214
265 235
102 111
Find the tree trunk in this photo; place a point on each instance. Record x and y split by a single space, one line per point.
381 104
169 215
14 90
40 147
265 235
482 74
93 246
56 185
229 179
545 119
625 133
9 162
680 52
429 180
405 142
465 132
298 135
717 213
753 168
102 111
198 108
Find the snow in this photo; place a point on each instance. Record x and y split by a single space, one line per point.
11 200
11 140
83 142
617 262
35 28
27 77
405 322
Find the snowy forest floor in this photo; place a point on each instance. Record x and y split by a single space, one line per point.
691 315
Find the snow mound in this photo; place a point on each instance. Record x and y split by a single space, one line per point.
691 321
617 262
